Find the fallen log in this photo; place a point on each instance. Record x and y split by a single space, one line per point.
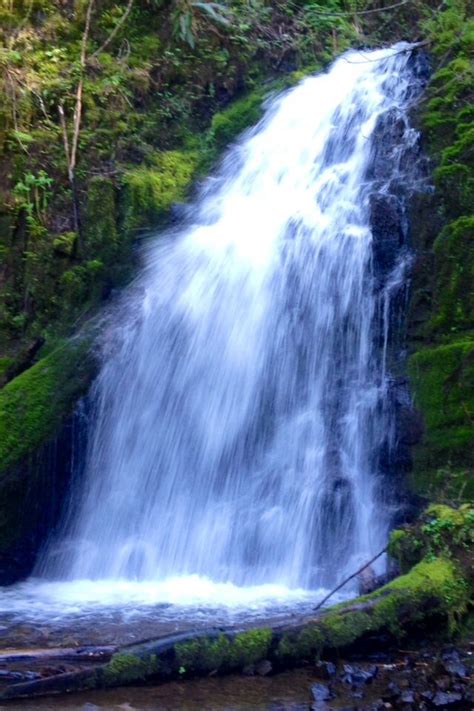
432 589
57 654
436 555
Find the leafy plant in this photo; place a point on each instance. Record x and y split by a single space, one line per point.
33 192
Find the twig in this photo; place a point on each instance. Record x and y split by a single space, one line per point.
359 12
114 31
341 585
413 46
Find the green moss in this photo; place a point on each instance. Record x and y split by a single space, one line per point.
33 404
442 380
442 531
100 222
250 647
454 298
226 125
5 364
65 243
129 668
442 310
149 191
342 630
223 653
433 588
203 655
405 548
301 644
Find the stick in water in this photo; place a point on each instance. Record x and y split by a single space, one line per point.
341 585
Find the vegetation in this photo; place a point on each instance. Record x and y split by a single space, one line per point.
34 404
109 111
118 97
442 314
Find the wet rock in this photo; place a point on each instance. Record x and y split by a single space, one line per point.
321 692
380 705
388 134
443 683
445 698
264 668
249 670
455 669
428 695
387 231
452 664
356 676
408 697
367 581
393 691
326 670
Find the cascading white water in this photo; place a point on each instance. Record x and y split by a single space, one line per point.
237 424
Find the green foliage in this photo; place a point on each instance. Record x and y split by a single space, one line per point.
442 370
442 534
440 531
150 92
65 243
33 193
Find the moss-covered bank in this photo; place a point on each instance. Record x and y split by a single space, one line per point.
37 441
34 404
441 328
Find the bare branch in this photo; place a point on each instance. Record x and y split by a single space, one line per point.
354 575
114 31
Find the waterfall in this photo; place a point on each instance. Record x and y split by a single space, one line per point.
241 409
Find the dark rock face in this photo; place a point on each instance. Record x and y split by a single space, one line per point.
38 489
398 173
387 231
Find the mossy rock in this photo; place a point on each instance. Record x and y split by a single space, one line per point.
100 221
454 297
227 124
33 405
442 380
149 191
441 531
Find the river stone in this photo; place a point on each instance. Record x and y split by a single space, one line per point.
264 668
326 670
321 692
445 698
355 675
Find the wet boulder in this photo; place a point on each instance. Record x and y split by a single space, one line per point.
387 231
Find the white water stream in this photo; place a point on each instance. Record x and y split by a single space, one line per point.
233 456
